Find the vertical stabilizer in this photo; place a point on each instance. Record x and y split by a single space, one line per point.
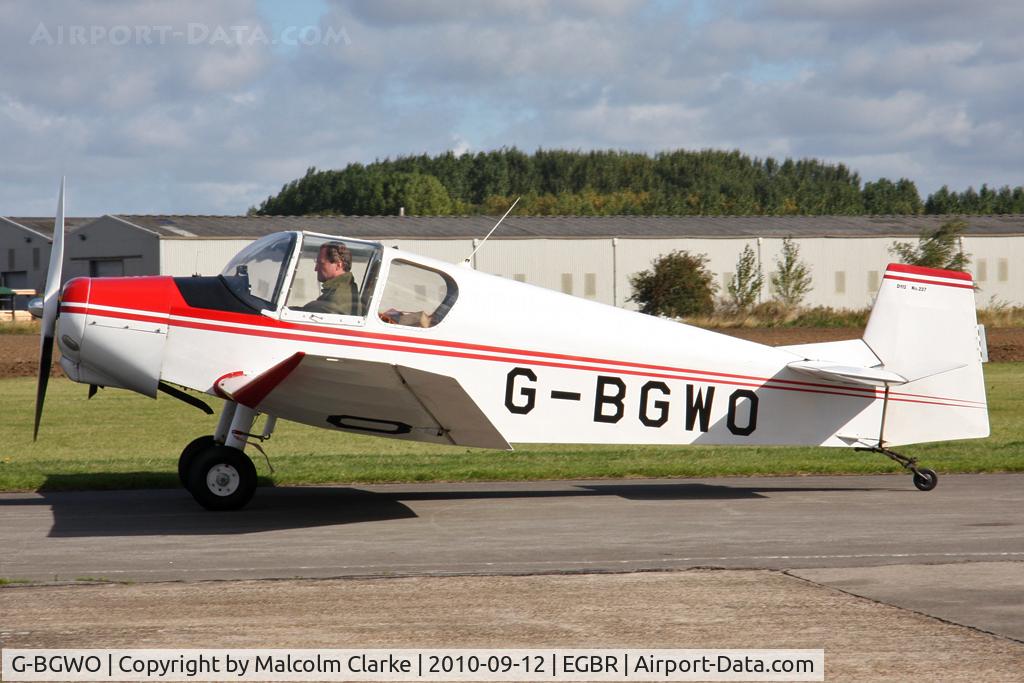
924 327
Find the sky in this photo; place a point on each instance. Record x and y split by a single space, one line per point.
209 107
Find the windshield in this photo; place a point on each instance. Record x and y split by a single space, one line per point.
255 275
334 275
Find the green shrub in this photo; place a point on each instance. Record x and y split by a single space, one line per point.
677 285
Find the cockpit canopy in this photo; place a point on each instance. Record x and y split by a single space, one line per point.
301 270
258 274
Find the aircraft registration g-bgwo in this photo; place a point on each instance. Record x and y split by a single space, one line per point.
432 351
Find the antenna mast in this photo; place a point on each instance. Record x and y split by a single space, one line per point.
469 259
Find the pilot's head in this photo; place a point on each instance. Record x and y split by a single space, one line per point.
334 259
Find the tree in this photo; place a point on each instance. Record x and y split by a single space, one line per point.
887 197
677 285
939 249
942 202
791 281
419 195
606 182
746 284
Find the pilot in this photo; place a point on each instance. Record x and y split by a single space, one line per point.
338 291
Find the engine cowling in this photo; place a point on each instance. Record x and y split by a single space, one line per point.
112 331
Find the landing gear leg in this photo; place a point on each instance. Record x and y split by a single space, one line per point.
924 478
224 423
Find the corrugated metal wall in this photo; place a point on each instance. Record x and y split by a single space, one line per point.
24 257
183 257
453 251
998 267
846 272
580 267
109 240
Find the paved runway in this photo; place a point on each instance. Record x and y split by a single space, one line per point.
874 536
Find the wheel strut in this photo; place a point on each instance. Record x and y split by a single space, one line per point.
924 478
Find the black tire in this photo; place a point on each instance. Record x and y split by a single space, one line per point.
189 453
925 479
222 478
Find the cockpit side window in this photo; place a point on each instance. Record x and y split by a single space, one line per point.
416 296
334 276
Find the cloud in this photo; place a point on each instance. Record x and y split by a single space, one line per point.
209 107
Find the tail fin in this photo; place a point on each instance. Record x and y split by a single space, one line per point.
923 327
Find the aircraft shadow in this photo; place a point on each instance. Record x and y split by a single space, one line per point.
173 512
628 491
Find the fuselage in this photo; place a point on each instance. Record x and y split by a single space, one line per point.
543 366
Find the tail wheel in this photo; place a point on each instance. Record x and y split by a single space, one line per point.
222 478
189 453
925 479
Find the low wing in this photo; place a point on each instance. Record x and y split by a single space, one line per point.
366 397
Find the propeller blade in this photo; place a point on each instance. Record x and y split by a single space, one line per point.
51 305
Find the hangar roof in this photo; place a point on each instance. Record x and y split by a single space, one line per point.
44 225
550 227
441 227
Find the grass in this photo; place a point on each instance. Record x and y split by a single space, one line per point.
122 440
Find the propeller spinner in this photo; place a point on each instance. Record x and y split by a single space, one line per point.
51 303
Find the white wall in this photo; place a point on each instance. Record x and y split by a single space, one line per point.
600 269
184 257
855 262
997 264
453 250
582 267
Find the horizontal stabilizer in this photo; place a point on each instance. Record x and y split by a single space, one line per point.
849 374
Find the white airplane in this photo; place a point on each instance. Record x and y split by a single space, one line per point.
436 352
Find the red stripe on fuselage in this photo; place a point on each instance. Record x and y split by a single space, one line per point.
277 330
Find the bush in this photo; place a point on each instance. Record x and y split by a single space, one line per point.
677 285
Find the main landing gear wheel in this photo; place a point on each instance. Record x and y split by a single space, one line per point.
188 454
925 479
222 478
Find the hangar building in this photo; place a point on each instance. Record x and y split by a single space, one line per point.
25 251
588 256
